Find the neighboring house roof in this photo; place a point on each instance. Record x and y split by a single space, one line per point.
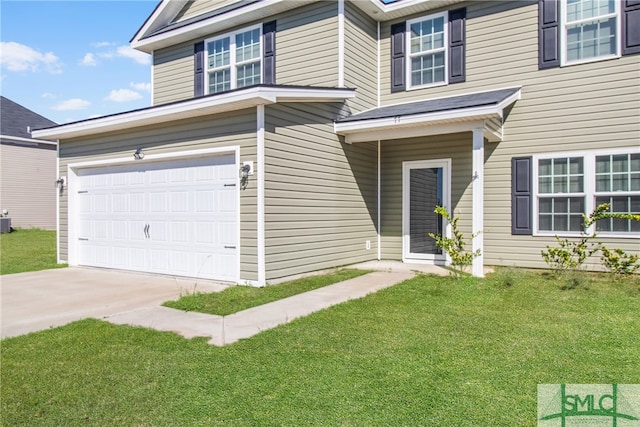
434 105
16 120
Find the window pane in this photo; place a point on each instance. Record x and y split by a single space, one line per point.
591 39
560 166
620 182
603 183
427 35
544 185
576 184
218 52
247 45
635 163
560 184
248 74
577 205
544 223
544 167
575 223
546 205
620 163
561 205
603 164
634 183
576 165
220 81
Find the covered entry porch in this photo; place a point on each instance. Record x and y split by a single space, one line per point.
431 153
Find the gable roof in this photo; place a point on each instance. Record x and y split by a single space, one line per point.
162 29
16 120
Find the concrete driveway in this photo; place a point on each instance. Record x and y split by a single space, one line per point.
45 299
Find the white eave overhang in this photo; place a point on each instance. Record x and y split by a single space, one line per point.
207 105
151 35
489 117
29 141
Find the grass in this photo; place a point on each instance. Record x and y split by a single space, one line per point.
430 351
238 298
28 250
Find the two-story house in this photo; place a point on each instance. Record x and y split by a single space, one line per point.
290 136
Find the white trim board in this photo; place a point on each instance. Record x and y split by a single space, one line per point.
207 105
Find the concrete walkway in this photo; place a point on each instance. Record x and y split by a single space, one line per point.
45 299
223 330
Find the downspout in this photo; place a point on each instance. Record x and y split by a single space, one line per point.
260 208
340 43
379 204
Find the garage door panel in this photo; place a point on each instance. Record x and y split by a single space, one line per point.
174 217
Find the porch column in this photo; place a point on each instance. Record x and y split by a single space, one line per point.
477 210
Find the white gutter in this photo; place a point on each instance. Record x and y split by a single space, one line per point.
235 100
29 140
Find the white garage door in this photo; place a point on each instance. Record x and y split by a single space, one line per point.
177 217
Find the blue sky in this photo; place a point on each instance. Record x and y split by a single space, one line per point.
71 60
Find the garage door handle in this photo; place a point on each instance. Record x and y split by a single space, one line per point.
229 247
82 238
146 231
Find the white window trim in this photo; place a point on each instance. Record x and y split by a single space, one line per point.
446 202
589 192
233 64
445 16
563 36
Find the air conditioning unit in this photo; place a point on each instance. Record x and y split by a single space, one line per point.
5 225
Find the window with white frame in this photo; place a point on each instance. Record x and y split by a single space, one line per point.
233 60
427 47
591 29
570 185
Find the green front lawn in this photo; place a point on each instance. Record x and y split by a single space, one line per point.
431 351
28 250
238 298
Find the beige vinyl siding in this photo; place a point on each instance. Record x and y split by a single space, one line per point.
301 59
194 8
27 191
320 194
456 147
307 45
173 74
575 108
236 128
361 52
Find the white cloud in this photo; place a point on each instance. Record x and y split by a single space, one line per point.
48 95
18 57
146 87
136 55
101 44
123 95
89 60
72 104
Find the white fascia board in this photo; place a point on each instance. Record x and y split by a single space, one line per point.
256 11
28 140
161 16
384 12
224 102
466 114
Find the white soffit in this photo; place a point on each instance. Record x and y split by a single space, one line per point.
230 101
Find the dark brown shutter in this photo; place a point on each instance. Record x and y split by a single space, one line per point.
630 27
548 33
521 196
198 76
457 23
398 59
269 53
